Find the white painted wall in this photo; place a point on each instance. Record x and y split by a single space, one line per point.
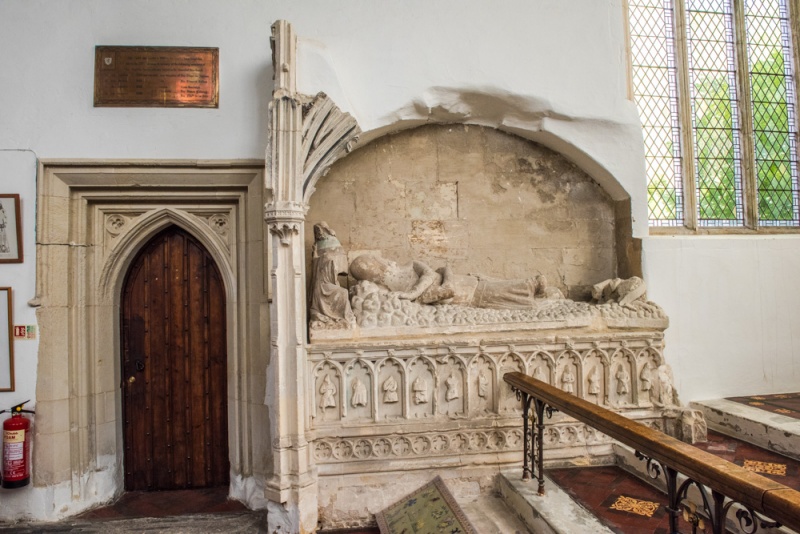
733 308
550 70
17 167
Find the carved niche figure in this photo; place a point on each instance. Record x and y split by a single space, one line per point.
420 388
621 291
594 382
452 392
665 392
623 381
359 393
483 385
418 282
568 380
646 377
539 373
330 305
327 391
390 390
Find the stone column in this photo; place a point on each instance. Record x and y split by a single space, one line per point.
292 489
306 136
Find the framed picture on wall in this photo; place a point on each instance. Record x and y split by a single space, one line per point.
6 341
10 230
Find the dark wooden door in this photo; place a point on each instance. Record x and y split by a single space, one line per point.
174 367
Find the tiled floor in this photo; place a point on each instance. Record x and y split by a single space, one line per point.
787 404
766 463
167 503
599 488
621 501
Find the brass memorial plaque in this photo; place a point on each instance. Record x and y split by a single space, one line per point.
156 76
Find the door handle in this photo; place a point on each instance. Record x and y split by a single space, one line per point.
131 379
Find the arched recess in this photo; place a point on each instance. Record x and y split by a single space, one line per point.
477 199
330 135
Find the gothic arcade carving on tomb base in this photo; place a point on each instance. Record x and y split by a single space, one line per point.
401 399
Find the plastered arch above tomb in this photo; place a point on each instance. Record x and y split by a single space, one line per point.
606 145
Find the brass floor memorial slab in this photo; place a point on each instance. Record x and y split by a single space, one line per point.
156 76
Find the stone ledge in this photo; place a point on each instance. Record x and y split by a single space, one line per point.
552 513
770 431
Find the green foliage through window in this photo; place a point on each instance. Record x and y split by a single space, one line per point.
716 119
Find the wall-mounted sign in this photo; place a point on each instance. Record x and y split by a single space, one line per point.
156 76
24 331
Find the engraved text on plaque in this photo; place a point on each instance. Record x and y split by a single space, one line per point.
156 76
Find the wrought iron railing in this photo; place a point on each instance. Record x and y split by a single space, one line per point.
721 485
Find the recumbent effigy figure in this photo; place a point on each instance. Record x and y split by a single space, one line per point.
389 294
418 282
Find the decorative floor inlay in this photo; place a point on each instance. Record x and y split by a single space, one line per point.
787 404
765 467
599 489
766 463
635 506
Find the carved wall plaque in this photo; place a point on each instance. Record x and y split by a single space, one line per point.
156 76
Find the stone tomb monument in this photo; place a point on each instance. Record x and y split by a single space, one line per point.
417 307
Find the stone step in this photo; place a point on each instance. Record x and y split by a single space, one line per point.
556 512
771 431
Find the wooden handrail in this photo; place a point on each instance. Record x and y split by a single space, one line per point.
778 502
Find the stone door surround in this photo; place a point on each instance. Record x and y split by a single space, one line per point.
92 219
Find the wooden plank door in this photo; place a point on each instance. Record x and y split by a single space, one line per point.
174 367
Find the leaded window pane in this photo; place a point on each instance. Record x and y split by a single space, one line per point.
654 87
774 105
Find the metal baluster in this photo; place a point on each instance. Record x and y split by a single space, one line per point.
527 469
540 442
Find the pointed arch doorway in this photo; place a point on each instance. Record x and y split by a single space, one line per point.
174 367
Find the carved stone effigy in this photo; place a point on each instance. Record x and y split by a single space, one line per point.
380 313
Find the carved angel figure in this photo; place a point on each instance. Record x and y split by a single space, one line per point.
539 374
390 390
452 392
665 394
420 388
483 384
594 382
359 393
568 381
646 378
327 391
623 381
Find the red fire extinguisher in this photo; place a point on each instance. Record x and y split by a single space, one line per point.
16 448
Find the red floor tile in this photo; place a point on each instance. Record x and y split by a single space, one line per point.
740 452
787 404
598 488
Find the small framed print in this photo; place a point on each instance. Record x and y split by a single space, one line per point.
10 229
6 341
